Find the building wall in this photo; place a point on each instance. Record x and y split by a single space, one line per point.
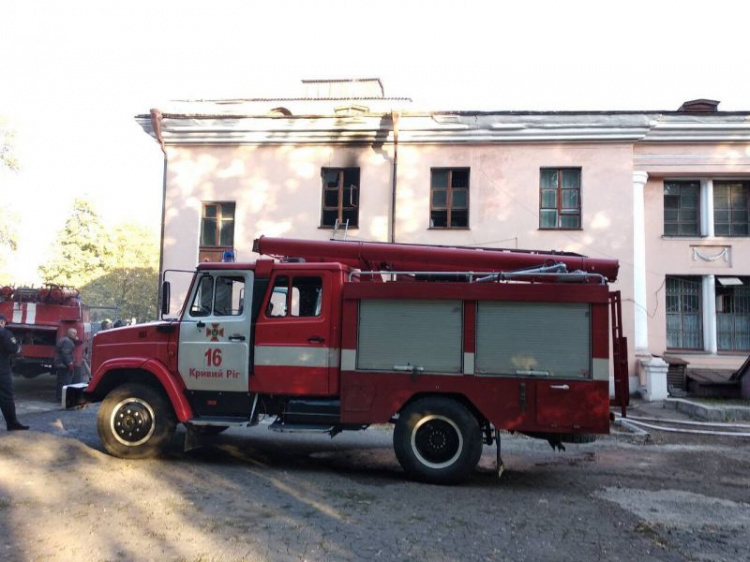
277 190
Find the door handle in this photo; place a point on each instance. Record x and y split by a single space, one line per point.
559 387
316 339
236 337
200 324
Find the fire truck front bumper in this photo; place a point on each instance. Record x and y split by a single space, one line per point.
74 395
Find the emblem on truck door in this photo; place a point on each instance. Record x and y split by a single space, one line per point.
214 332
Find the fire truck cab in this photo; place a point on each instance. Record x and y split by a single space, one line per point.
451 345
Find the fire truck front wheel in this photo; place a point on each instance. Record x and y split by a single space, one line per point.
437 440
135 421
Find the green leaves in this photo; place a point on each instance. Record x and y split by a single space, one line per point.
112 267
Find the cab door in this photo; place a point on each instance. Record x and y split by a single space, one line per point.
293 343
215 333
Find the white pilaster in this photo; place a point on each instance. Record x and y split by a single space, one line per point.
639 262
707 208
709 313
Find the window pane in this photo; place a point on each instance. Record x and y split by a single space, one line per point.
331 198
460 178
439 198
227 211
671 202
351 177
548 178
687 229
721 229
277 306
229 295
330 177
547 219
570 221
570 199
438 219
459 199
329 218
549 199
209 211
459 218
203 297
689 200
351 215
208 232
440 178
227 233
571 178
307 296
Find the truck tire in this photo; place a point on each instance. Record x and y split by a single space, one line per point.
135 421
437 440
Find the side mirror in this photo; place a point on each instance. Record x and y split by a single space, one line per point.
166 293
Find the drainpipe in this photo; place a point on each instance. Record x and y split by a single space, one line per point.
156 120
395 116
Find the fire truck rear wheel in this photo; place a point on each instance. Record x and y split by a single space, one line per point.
437 440
135 421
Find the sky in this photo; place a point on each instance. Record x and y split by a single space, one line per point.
74 73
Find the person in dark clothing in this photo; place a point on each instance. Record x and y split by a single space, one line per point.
8 347
64 360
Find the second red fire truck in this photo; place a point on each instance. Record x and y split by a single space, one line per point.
38 318
449 344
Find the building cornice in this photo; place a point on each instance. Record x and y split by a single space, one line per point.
350 126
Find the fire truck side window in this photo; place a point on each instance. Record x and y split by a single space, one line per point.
203 297
277 302
230 292
300 297
307 296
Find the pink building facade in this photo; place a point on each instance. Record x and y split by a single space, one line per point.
665 192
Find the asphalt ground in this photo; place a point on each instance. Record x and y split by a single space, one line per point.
251 494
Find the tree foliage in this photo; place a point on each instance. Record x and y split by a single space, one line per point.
83 250
115 267
131 284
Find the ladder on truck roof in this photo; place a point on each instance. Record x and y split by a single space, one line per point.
376 256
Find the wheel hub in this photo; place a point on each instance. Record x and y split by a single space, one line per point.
437 441
132 422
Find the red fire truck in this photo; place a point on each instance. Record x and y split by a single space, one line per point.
38 318
449 344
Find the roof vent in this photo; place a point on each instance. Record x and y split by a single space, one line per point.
700 106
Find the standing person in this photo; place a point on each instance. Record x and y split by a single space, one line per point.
64 360
8 346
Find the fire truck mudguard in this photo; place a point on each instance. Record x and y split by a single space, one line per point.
115 372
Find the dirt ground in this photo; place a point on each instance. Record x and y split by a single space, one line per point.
254 495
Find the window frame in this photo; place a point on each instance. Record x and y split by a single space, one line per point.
730 224
729 299
340 188
208 252
449 189
680 222
559 190
682 296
